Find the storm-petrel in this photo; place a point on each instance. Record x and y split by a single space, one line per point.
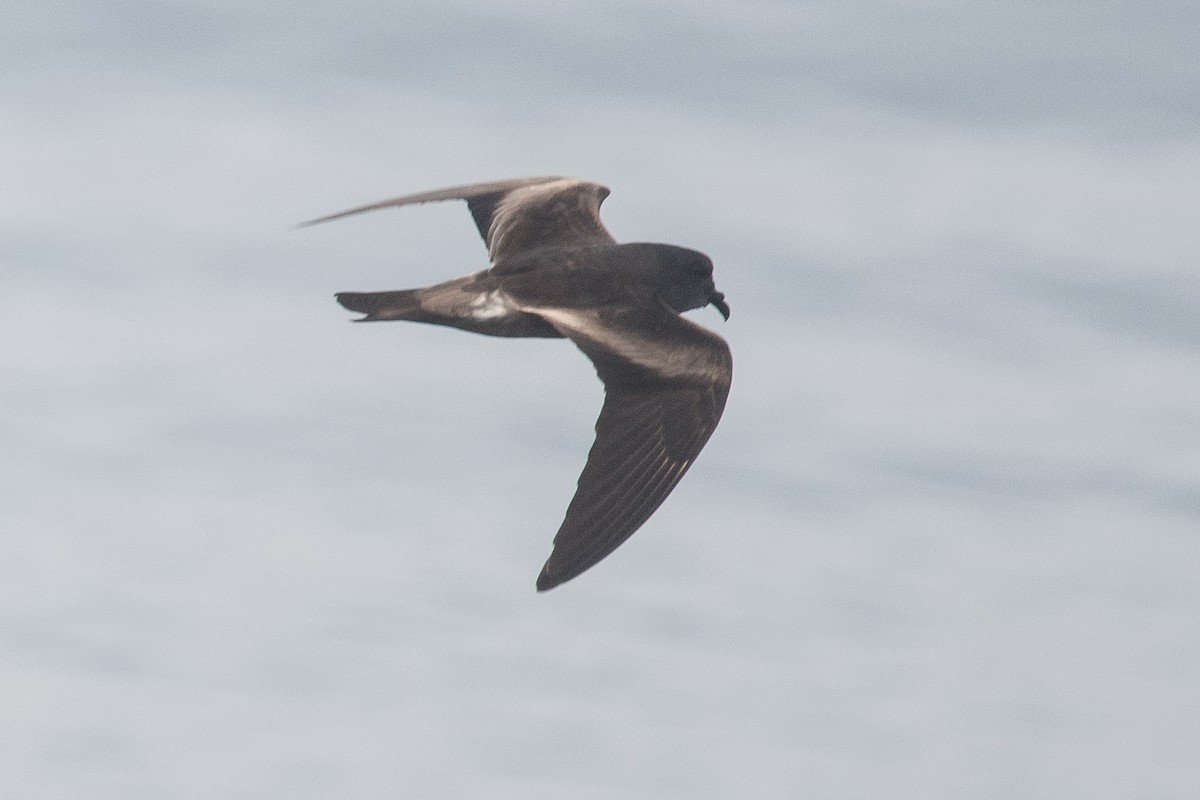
556 272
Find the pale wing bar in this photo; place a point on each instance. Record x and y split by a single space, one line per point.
560 213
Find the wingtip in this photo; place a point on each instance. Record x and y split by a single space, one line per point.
547 579
308 223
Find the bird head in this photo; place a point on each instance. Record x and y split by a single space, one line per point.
685 279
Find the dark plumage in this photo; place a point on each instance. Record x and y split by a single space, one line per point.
556 272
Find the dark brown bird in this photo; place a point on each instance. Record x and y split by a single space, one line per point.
556 272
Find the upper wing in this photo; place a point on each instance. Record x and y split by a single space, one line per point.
666 381
518 215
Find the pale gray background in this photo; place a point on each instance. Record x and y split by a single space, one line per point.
945 543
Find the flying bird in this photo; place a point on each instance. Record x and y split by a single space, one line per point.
557 272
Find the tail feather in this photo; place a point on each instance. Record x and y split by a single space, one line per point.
402 304
461 303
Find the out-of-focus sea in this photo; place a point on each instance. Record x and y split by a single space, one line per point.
944 544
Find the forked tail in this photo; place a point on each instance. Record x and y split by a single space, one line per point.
401 304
